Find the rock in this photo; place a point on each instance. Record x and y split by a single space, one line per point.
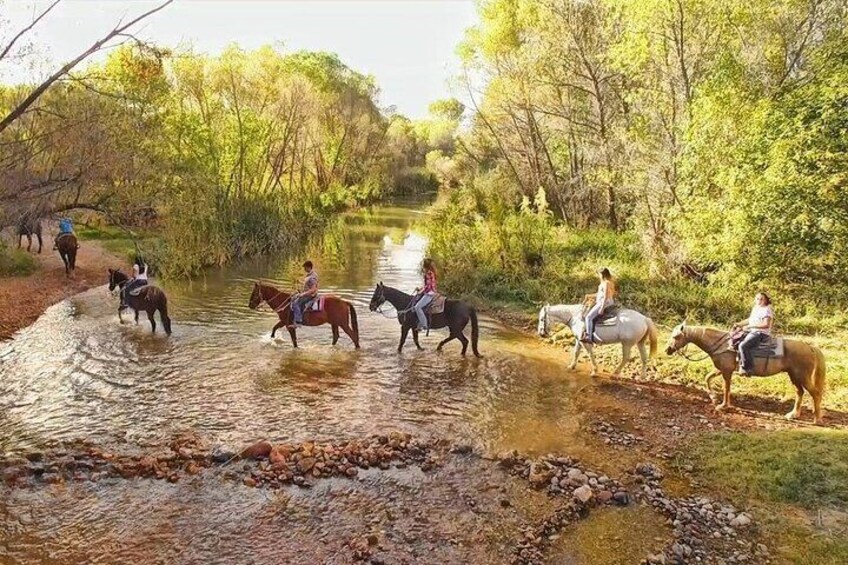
276 456
258 450
622 498
373 540
306 464
741 521
250 482
604 496
583 494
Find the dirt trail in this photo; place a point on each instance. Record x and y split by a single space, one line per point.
24 299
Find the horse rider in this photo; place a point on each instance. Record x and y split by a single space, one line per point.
65 228
310 291
138 280
758 327
424 296
604 297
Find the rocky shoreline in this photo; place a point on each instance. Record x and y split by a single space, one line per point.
701 530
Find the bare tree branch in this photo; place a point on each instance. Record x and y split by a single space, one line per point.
96 46
25 30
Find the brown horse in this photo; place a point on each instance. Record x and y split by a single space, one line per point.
337 312
803 362
149 298
67 245
29 225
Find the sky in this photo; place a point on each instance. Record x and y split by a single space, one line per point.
407 45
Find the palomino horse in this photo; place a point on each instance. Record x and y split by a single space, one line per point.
67 245
456 316
337 312
29 225
803 362
631 328
149 298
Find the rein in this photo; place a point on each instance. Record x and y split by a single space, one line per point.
280 308
707 354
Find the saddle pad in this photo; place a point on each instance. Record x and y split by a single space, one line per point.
771 348
137 291
437 306
317 305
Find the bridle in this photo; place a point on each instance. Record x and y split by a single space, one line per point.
382 299
280 308
707 352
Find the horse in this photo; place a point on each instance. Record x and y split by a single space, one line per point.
456 316
67 245
149 298
803 362
631 328
28 226
337 312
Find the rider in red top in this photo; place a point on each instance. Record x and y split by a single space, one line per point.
427 294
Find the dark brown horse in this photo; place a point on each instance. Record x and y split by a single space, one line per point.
67 245
336 312
456 316
149 298
29 225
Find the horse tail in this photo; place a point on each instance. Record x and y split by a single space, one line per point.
653 336
163 313
475 331
353 321
820 370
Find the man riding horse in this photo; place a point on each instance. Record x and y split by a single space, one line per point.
309 293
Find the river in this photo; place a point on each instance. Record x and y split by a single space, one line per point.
78 373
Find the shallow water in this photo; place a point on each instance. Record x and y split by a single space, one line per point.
78 373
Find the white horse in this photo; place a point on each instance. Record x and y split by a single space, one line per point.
631 328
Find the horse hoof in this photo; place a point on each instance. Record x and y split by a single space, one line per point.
721 407
616 375
593 374
791 415
572 367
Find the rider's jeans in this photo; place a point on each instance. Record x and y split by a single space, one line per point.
746 348
590 320
419 309
297 307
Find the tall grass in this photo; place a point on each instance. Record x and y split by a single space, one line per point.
16 263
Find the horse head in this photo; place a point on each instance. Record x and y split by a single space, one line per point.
378 298
116 279
678 339
255 296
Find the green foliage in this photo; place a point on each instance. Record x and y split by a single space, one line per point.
16 263
804 467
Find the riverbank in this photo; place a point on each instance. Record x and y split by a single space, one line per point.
24 298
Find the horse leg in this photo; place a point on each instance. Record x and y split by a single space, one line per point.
626 350
464 340
415 339
575 355
277 326
643 355
335 329
708 383
293 334
725 403
444 341
403 333
799 396
152 320
40 243
590 350
349 333
120 315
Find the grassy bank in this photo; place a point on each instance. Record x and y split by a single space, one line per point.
16 263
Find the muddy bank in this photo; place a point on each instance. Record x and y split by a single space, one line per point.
24 299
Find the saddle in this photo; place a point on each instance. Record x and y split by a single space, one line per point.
608 318
437 306
771 347
137 291
315 305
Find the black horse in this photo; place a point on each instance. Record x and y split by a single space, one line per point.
455 317
149 299
29 225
